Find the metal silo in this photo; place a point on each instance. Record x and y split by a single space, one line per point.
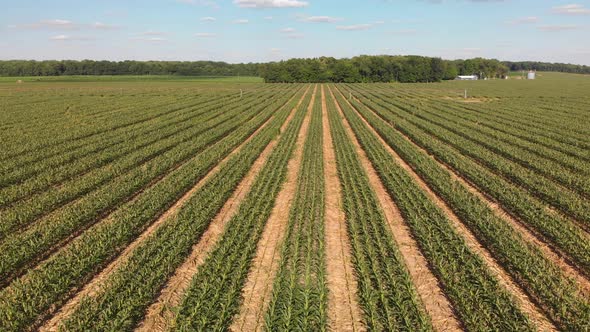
531 75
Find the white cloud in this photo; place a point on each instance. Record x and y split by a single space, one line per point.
60 37
268 18
291 33
208 3
57 22
554 28
103 26
151 39
208 19
571 9
241 21
68 38
321 19
525 20
379 22
354 27
404 32
295 36
205 35
271 3
152 33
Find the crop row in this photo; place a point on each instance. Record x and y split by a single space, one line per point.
386 292
47 160
510 117
135 284
31 297
520 117
58 195
82 127
480 302
299 296
41 236
562 232
506 132
559 296
66 152
540 175
214 294
47 143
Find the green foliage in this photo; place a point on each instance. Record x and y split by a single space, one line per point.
386 293
475 293
122 303
547 66
214 295
539 276
27 299
299 296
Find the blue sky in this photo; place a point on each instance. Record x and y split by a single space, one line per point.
268 30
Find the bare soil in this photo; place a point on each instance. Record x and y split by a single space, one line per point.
258 288
435 302
524 301
98 282
344 313
160 314
549 252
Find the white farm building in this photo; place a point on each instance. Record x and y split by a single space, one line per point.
467 78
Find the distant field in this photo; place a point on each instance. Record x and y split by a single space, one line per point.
208 204
133 78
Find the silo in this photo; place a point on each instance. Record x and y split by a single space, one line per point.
530 75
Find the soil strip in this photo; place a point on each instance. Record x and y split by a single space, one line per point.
98 282
524 301
435 302
160 314
258 288
344 313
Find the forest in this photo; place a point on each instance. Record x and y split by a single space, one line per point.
364 68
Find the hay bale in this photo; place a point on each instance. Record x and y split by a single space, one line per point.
19 82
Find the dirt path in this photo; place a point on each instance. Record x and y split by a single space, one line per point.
258 288
435 302
549 252
99 280
160 314
523 300
344 313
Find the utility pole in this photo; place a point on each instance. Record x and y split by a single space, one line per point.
241 93
465 95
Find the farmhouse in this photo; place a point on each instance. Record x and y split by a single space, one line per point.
467 78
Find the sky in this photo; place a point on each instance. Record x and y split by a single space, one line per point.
271 30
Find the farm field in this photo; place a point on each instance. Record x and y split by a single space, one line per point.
229 204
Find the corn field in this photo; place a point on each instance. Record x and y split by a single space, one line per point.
199 206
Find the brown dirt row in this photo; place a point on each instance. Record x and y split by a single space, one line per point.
550 252
433 298
524 301
103 217
557 256
97 283
258 288
344 313
160 315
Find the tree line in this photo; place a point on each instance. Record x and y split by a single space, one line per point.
91 67
379 68
547 66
